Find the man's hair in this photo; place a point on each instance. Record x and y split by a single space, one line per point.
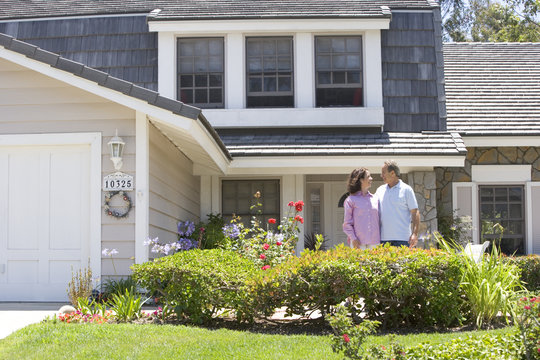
391 165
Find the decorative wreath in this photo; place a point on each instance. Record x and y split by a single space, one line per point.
114 212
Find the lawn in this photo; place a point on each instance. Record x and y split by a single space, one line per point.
130 341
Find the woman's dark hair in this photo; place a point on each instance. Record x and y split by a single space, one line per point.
353 184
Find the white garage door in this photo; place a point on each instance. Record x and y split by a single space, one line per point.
44 219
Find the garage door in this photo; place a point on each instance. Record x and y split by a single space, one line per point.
44 219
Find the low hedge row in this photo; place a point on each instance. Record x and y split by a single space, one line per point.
400 287
530 270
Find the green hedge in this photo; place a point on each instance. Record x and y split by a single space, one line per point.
400 286
199 283
530 270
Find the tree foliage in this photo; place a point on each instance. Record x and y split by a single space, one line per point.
489 20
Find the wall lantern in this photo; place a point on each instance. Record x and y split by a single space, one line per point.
116 145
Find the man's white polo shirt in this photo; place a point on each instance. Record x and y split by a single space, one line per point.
396 204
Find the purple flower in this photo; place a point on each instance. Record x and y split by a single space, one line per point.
107 252
186 228
231 231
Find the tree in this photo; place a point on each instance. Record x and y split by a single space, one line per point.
488 20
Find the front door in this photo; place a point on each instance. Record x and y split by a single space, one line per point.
337 194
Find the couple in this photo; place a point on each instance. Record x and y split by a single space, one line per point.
383 217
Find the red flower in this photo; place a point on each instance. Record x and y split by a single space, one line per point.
527 307
291 203
266 246
279 243
299 218
262 256
266 267
346 338
299 205
382 347
271 221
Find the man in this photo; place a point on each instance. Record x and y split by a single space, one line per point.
398 206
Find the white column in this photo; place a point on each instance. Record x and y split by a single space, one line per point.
142 205
304 71
373 68
300 195
167 64
205 197
216 194
234 71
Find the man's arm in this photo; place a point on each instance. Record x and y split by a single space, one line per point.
415 215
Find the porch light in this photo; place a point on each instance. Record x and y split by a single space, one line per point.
116 144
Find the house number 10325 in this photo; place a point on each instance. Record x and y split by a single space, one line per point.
118 181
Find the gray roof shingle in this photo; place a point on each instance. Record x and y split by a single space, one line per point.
493 88
209 9
344 141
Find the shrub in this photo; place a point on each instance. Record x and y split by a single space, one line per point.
528 321
80 285
399 286
117 286
530 270
126 306
198 283
210 232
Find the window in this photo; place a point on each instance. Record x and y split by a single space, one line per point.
200 71
338 67
269 72
237 199
503 205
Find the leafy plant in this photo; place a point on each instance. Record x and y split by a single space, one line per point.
527 318
80 285
127 307
85 306
530 270
118 286
490 285
210 232
315 242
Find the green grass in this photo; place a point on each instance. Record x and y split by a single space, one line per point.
129 341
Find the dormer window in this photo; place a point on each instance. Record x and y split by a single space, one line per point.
269 72
338 66
200 71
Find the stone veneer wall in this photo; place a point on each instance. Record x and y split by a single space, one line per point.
483 156
424 186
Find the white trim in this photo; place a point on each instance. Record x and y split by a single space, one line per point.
167 64
304 70
500 173
142 166
94 140
473 141
216 194
178 122
333 164
300 195
186 27
290 117
235 79
474 206
529 210
372 71
205 197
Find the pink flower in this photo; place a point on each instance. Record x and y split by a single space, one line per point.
262 256
266 267
271 221
279 243
527 307
299 218
346 338
266 246
299 205
291 203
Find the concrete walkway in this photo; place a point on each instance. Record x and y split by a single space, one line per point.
16 315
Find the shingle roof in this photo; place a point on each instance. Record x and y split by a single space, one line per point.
110 82
332 141
209 9
493 88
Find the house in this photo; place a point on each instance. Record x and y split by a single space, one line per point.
493 102
294 95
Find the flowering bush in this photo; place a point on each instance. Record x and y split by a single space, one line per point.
79 317
185 231
266 248
528 322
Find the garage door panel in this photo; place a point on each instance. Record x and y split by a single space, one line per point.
66 189
23 200
60 271
23 272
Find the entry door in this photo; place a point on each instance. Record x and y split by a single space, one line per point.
44 220
337 191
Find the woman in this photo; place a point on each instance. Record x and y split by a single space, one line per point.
361 220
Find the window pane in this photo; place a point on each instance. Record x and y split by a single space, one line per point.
501 194
353 44
338 45
215 95
285 84
201 80
353 77
501 211
254 64
186 65
254 47
215 80
284 63
324 77
515 211
201 96
186 96
486 211
284 46
200 64
486 194
323 62
515 194
353 62
255 84
215 63
269 63
215 47
269 84
186 49
201 48
269 47
186 81
324 44
339 77
339 62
